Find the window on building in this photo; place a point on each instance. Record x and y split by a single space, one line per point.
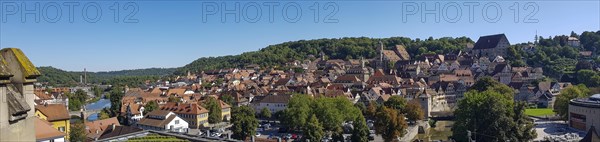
176 121
61 129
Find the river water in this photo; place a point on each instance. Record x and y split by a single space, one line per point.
100 104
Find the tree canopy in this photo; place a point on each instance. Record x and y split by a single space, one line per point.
561 105
360 131
330 112
389 124
244 122
313 130
337 48
503 120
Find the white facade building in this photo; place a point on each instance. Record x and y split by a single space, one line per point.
161 120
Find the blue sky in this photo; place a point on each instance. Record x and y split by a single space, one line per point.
172 34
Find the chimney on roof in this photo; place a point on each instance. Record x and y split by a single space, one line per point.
113 126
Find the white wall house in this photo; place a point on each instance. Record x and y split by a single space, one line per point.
161 120
274 103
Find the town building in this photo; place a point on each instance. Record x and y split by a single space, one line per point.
94 129
491 46
274 103
56 114
44 132
225 110
17 78
195 115
573 42
585 113
162 120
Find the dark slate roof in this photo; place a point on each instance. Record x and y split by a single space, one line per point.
487 42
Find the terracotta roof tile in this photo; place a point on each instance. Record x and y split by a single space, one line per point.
44 130
54 112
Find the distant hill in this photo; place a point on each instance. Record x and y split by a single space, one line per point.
336 48
58 77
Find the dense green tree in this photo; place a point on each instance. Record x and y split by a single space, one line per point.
389 124
525 127
244 122
396 102
57 77
361 107
414 111
502 120
371 110
104 114
214 110
265 113
313 130
150 106
588 78
573 34
341 48
174 99
360 131
77 132
116 95
561 105
488 83
77 100
298 111
227 98
97 91
584 65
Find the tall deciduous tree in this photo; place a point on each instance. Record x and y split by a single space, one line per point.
150 106
371 110
501 122
561 105
297 112
77 132
265 113
414 111
116 94
390 124
244 122
360 133
104 114
396 102
214 110
313 130
588 77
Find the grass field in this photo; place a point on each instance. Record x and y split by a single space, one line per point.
539 112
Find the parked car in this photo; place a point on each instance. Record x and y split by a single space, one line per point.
371 137
257 134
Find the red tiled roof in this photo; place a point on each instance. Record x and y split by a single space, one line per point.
54 112
184 108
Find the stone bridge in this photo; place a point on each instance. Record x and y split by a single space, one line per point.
85 114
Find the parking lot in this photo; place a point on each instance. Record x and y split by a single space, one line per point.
558 130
